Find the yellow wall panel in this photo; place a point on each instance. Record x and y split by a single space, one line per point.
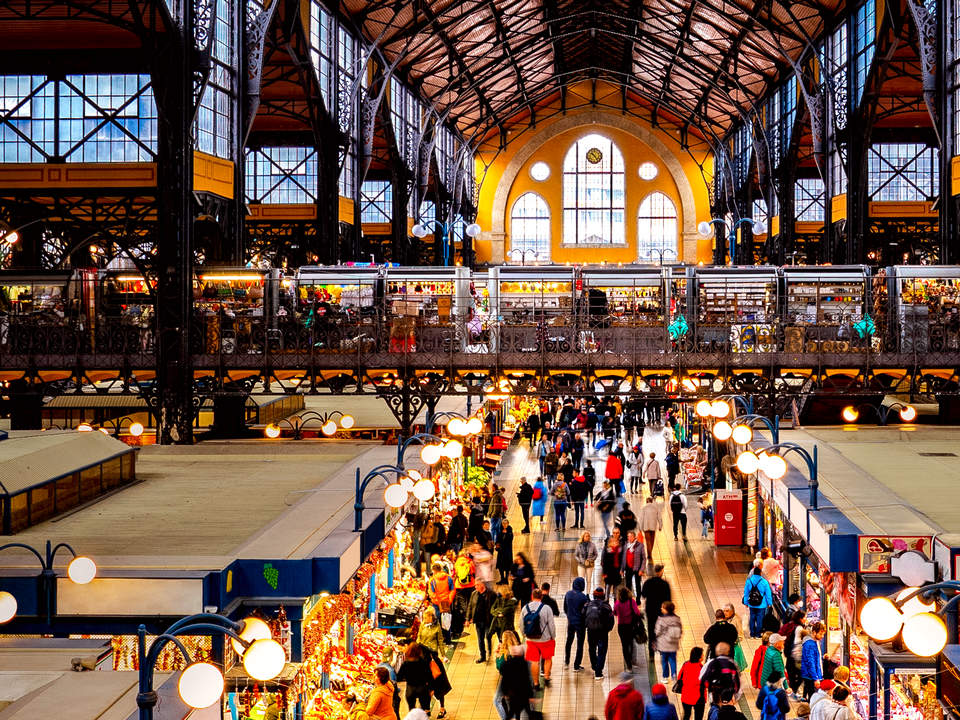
838 207
955 175
346 210
775 225
282 211
78 175
902 209
213 175
377 228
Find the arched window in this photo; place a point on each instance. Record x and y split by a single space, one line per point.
530 228
657 229
593 193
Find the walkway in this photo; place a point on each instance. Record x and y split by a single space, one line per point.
702 577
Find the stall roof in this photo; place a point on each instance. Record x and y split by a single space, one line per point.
927 271
80 696
33 459
96 400
736 274
371 411
330 274
835 273
622 277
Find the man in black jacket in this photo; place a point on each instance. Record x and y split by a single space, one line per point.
525 497
479 613
458 529
720 632
655 592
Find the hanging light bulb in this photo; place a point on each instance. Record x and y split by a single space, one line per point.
775 467
880 619
915 605
200 684
908 413
925 634
136 429
424 490
430 454
742 434
406 482
703 408
8 606
456 426
474 425
722 431
453 449
272 431
253 629
82 570
747 462
347 422
328 428
395 496
264 659
719 409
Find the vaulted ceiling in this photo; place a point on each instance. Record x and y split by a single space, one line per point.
484 63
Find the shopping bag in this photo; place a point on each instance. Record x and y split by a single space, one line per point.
446 620
435 669
739 658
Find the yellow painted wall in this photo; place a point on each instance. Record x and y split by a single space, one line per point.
212 174
955 175
553 152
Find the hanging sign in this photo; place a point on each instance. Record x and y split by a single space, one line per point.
875 550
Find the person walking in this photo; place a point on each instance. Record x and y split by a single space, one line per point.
540 633
757 596
576 451
613 472
524 498
634 562
624 702
772 658
705 503
578 496
551 463
431 638
504 551
772 699
678 508
457 531
502 615
727 706
574 603
480 613
464 580
722 631
585 554
440 590
599 620
380 702
532 427
655 592
756 665
811 659
628 614
626 520
543 449
590 475
611 566
659 707
538 506
649 521
515 682
720 675
672 461
561 499
635 461
495 511
606 504
688 679
415 672
653 474
522 576
668 632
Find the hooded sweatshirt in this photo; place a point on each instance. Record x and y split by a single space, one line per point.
624 703
660 708
574 603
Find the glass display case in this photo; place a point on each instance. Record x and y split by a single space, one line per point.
737 306
903 686
823 304
342 288
426 293
236 309
623 296
927 307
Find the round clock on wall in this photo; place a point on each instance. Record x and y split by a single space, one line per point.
594 156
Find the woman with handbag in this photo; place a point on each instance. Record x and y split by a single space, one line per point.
668 632
688 685
586 556
430 637
626 610
415 672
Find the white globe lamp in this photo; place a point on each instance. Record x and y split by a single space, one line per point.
82 570
200 685
264 659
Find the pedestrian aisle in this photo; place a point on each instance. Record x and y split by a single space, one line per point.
702 578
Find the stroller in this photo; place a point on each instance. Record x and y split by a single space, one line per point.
658 489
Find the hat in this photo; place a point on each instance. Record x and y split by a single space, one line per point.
803 710
777 638
598 593
827 684
659 689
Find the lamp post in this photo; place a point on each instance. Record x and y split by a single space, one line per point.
660 253
328 422
519 255
81 571
742 431
771 461
913 615
908 413
395 494
457 424
421 230
201 683
706 226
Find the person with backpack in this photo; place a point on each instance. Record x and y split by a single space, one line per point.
720 674
727 706
678 508
540 634
538 507
688 685
659 707
628 614
440 590
522 578
811 659
606 504
524 498
653 474
722 631
599 620
772 699
574 604
578 496
561 499
430 637
757 596
626 521
668 632
650 520
624 702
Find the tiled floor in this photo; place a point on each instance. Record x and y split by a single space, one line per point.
700 576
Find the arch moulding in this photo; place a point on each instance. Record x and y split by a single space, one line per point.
597 118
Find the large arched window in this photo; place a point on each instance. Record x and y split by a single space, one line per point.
530 228
657 229
593 193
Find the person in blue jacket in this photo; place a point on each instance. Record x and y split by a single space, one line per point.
811 659
772 699
659 707
573 604
538 508
757 596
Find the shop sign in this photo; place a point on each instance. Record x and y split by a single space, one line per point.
875 550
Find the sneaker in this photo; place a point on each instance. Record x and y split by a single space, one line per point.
566 664
478 661
577 668
598 676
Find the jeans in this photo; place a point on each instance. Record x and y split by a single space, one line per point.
578 514
484 641
597 641
697 710
631 580
756 621
635 482
525 511
668 664
605 520
704 522
625 632
578 633
495 524
551 479
560 515
541 466
499 702
681 520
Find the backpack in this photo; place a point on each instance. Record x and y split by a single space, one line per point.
723 681
464 571
537 493
676 504
771 707
531 624
755 597
598 616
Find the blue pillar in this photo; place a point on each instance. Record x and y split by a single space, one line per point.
372 605
872 669
390 561
349 631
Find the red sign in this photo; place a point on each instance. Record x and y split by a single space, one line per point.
728 521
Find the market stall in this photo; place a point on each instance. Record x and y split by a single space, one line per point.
127 301
536 306
423 306
338 307
621 309
736 309
236 309
29 302
927 301
903 686
822 307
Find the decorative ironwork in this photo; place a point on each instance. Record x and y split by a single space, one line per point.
925 20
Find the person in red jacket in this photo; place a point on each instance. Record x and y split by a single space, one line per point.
614 473
624 702
691 693
756 667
